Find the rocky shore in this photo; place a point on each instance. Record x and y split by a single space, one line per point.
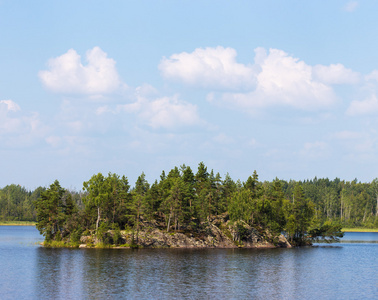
217 233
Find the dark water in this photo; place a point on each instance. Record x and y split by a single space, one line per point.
338 271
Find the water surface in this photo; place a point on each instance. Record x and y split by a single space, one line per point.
336 271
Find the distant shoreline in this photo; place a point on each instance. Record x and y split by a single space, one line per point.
18 223
359 229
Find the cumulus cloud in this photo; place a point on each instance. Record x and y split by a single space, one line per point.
208 68
275 78
284 80
335 74
364 107
66 74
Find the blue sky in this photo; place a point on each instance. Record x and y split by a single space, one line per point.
286 88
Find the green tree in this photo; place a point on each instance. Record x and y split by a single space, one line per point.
241 206
173 203
97 197
52 211
228 188
202 190
188 182
300 214
139 202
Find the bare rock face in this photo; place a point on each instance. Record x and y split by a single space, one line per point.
283 242
216 233
86 239
213 237
246 236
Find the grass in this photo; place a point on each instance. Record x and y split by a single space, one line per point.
359 229
60 244
17 223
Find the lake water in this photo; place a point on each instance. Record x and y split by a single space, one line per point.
348 270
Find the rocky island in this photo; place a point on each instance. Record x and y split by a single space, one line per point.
183 209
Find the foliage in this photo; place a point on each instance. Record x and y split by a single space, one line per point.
329 232
182 200
51 211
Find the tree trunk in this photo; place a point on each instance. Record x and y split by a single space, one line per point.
98 218
137 233
176 222
169 221
209 207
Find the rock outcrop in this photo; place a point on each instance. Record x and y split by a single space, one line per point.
216 233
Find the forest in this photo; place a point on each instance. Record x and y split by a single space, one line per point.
184 200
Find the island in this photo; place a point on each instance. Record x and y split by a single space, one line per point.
183 209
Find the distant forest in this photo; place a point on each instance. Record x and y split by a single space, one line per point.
181 195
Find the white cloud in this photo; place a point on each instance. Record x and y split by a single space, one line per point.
335 74
284 80
8 122
9 105
372 76
351 6
68 75
156 112
214 68
275 78
364 107
369 104
168 112
165 112
18 128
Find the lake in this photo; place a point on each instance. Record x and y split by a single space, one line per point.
348 270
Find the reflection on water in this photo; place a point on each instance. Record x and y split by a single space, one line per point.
326 272
360 237
59 273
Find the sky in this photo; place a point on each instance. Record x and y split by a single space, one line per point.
286 88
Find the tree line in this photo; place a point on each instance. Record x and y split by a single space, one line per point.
186 200
18 204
